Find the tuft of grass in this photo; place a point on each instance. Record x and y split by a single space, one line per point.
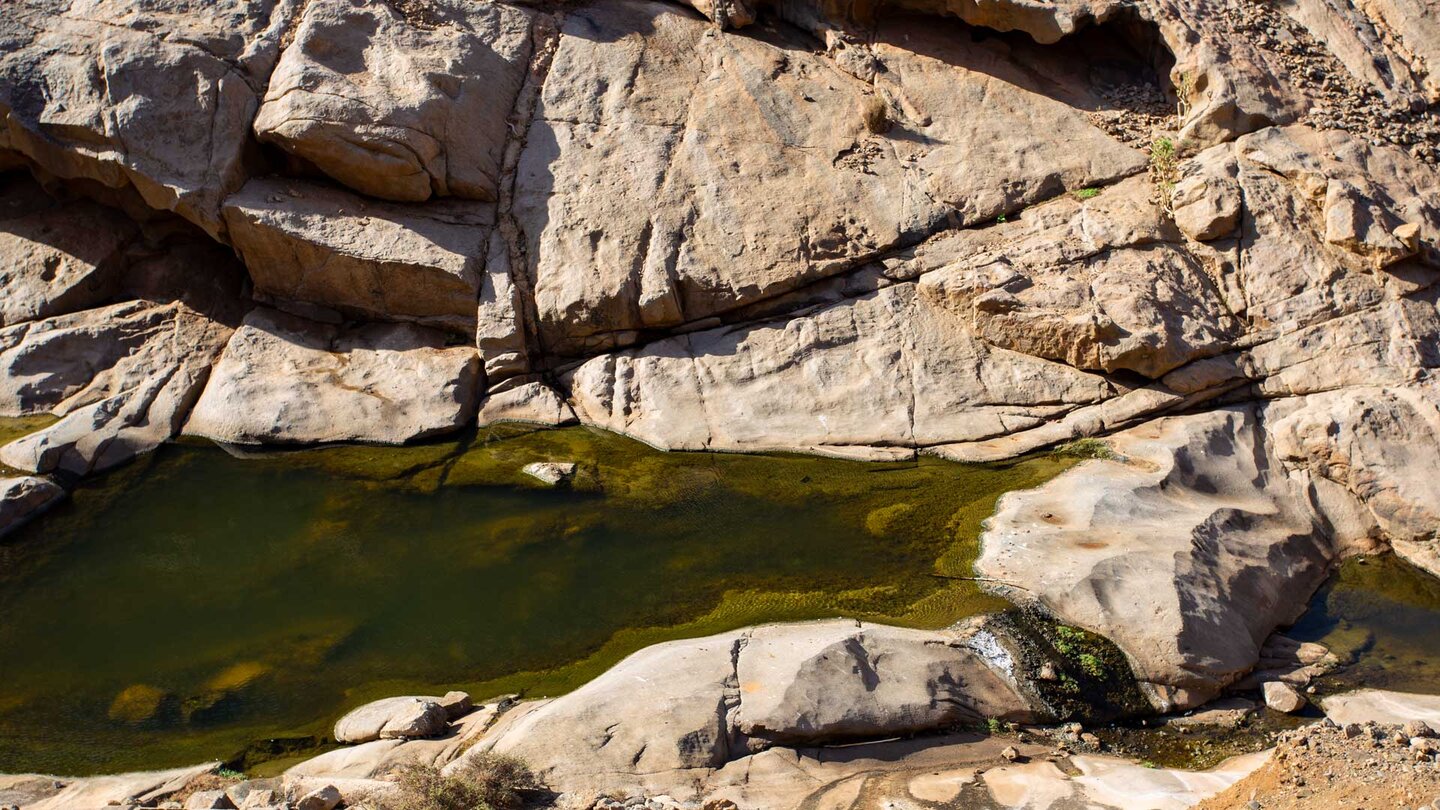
1164 172
1086 193
876 115
1085 448
485 782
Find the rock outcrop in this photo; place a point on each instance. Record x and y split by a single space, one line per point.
695 705
395 718
122 378
400 103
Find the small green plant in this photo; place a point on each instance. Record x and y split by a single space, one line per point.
1164 172
1087 193
1092 665
228 773
1184 88
1000 218
994 726
484 782
1086 448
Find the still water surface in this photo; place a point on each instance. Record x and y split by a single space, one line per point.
184 607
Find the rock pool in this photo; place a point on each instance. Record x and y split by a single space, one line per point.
197 604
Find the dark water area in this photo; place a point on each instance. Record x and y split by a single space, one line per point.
1381 616
189 605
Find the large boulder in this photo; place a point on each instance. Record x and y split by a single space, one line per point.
308 243
58 259
154 97
122 377
285 379
694 705
1187 549
400 102
394 718
22 498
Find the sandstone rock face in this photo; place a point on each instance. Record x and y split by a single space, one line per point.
23 498
533 402
653 194
283 379
400 105
392 719
312 244
154 97
696 704
122 378
57 260
1186 553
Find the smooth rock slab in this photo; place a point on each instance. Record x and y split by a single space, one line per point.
284 379
310 243
1381 706
392 719
400 108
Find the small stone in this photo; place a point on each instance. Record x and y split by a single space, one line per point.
210 800
1282 697
550 472
325 798
1010 753
456 704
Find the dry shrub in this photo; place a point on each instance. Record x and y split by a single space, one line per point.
485 782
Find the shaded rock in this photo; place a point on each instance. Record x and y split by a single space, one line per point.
1145 310
533 402
395 107
392 719
456 705
123 379
25 498
308 243
154 97
1186 553
60 260
1282 698
283 379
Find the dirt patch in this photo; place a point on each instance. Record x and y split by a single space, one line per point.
1352 768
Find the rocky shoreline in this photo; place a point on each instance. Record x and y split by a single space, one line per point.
1202 235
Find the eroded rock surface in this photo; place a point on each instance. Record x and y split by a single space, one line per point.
23 498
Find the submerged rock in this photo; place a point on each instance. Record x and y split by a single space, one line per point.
550 472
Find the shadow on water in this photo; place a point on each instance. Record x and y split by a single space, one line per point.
195 602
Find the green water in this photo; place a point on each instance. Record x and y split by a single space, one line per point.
193 603
1380 617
